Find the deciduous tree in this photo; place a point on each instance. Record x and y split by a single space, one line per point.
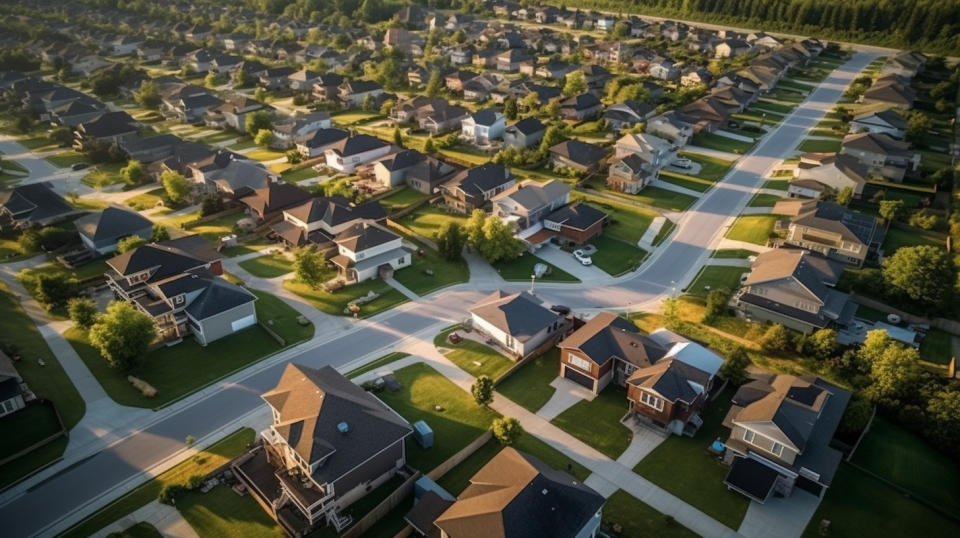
923 273
176 186
308 266
122 335
482 390
82 311
507 430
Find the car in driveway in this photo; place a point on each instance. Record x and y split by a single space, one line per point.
78 166
583 257
683 163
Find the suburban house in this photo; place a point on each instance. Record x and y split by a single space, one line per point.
631 174
888 122
320 220
443 119
236 178
175 282
668 378
354 92
572 225
781 427
188 102
731 48
276 78
576 155
347 154
294 130
518 322
320 141
303 80
627 114
672 127
654 150
108 128
366 250
892 90
830 229
326 87
882 154
819 173
514 495
14 393
526 204
795 288
233 113
267 203
524 133
706 114
420 172
34 205
331 442
473 188
483 126
100 232
580 107
906 63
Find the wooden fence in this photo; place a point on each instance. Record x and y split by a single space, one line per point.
373 516
464 453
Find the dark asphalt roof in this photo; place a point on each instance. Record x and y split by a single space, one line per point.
363 236
325 137
752 478
219 297
357 144
579 152
528 126
577 215
487 116
36 200
475 181
520 315
112 222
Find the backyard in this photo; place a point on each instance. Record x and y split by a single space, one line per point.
597 422
222 512
754 229
520 268
472 357
682 466
713 277
897 238
427 220
529 385
403 198
936 346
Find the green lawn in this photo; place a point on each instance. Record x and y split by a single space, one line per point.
714 277
625 222
529 385
67 159
754 229
405 197
777 184
458 422
520 268
104 175
10 250
711 168
178 370
295 176
268 265
686 181
335 302
721 143
616 257
859 505
213 230
472 357
936 347
637 518
206 461
427 220
373 365
7 165
349 117
281 318
49 381
897 238
739 253
147 200
445 272
812 145
221 512
263 154
682 466
33 424
597 423
764 200
244 144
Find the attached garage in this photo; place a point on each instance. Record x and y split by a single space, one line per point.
577 377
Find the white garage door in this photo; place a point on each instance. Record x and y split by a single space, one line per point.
243 323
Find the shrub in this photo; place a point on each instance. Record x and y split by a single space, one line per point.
195 481
170 492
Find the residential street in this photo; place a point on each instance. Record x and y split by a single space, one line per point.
66 497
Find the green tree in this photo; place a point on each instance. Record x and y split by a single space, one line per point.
429 147
497 241
82 311
506 430
264 138
551 137
260 94
258 121
575 83
921 273
176 186
943 419
845 196
130 243
716 304
530 102
55 289
397 137
855 417
776 339
369 103
671 312
29 241
510 109
822 344
895 373
308 267
148 96
122 335
450 240
243 79
482 390
62 136
918 124
159 233
435 84
734 369
133 173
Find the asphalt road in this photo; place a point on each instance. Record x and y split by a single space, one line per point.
43 509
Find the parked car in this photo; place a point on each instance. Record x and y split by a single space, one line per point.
78 166
683 162
582 257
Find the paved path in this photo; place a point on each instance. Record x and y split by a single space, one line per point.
566 395
165 519
643 442
666 185
734 244
403 289
646 242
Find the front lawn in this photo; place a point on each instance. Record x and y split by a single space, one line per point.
711 168
263 154
626 222
682 466
177 370
67 159
296 176
104 175
652 196
377 363
616 257
206 461
455 418
754 229
222 512
442 272
686 181
140 530
764 200
713 277
401 199
268 265
148 200
637 518
213 230
427 220
335 302
472 357
813 145
777 184
597 423
728 253
520 268
529 385
281 318
721 143
349 117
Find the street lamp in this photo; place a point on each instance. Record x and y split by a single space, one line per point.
532 278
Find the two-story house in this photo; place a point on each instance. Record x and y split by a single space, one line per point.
827 173
524 133
582 157
320 220
294 130
795 288
266 204
34 205
580 107
475 187
628 114
366 250
518 322
353 93
347 154
110 128
483 126
320 141
781 427
526 204
631 174
420 172
330 443
881 154
651 148
101 231
888 122
671 126
233 113
175 283
830 229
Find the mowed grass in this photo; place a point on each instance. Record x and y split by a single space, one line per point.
221 512
455 418
429 271
897 238
472 357
652 196
426 221
281 318
714 277
711 168
637 518
763 200
813 145
269 265
401 199
529 385
721 143
936 346
67 159
728 253
754 229
522 267
616 257
376 363
597 422
625 221
335 302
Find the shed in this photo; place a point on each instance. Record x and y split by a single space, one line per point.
423 433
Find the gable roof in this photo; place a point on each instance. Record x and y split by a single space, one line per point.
364 235
579 152
218 297
533 194
112 222
520 315
811 272
356 144
528 126
172 257
608 336
477 180
35 201
275 196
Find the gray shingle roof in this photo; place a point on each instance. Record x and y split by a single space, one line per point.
219 297
520 315
112 222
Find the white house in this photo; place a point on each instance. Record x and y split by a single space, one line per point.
367 250
293 130
483 126
651 148
345 155
518 322
886 121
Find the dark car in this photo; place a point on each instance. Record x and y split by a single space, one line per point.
560 309
78 166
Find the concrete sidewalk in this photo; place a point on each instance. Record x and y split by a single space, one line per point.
165 519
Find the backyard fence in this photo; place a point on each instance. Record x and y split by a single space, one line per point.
458 458
280 340
214 216
948 325
400 494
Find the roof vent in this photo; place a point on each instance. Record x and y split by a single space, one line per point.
343 427
543 492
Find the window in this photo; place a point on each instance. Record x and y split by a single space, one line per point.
651 400
748 436
579 362
777 449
